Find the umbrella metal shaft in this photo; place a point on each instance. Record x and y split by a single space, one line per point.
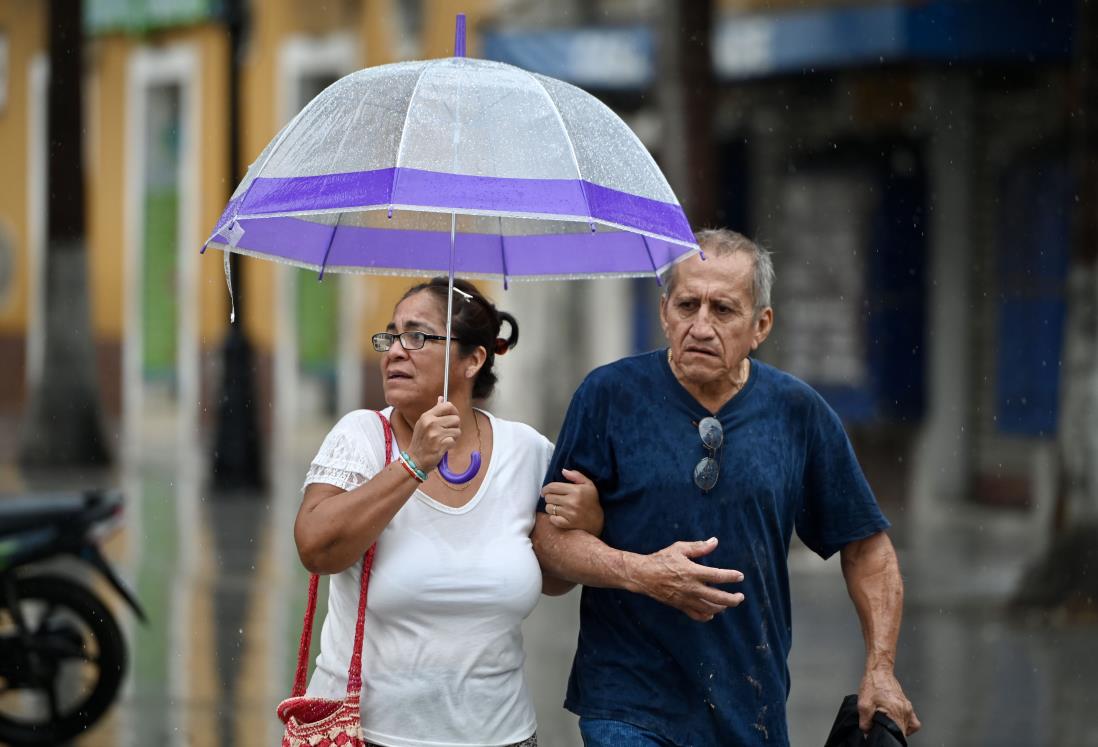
449 309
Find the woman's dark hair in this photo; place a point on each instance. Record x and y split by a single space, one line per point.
476 323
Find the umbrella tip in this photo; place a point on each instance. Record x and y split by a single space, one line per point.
459 35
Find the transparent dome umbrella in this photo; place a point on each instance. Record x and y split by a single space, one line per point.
457 165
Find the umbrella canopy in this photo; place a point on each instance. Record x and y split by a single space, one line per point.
462 166
535 177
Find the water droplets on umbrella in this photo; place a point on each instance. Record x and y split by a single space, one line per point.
458 166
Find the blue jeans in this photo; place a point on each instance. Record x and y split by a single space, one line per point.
601 732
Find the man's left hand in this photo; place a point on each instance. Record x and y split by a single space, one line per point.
880 691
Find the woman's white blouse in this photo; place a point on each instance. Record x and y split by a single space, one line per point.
450 587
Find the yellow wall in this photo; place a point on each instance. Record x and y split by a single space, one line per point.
111 57
106 184
23 23
438 25
259 123
376 24
376 28
213 145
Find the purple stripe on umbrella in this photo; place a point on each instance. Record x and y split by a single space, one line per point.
622 208
460 192
324 192
376 248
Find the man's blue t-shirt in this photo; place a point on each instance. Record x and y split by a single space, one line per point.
786 464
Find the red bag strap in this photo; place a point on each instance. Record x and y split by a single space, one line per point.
354 671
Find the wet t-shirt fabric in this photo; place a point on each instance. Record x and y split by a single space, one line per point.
786 464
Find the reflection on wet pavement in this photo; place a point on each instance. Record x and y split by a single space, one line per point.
977 673
220 579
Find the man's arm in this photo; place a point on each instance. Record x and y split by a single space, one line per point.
872 574
570 505
669 576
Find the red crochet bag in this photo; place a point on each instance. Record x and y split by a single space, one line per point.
323 722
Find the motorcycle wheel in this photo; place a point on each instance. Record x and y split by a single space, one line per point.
71 631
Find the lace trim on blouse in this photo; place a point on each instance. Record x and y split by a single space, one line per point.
349 455
341 478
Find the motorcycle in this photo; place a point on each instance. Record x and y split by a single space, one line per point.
62 654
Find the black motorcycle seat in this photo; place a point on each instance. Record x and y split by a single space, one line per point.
25 512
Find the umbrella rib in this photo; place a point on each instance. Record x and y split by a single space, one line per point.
328 249
567 139
632 136
651 260
497 102
403 132
502 252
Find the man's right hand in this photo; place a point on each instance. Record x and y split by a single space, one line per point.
671 576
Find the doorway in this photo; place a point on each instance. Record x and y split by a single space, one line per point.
160 377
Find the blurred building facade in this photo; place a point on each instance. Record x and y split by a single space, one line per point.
908 165
157 81
907 162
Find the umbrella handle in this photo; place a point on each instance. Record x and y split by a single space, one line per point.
464 477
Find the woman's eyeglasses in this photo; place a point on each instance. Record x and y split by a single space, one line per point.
408 340
708 469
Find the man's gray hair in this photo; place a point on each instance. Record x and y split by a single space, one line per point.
719 242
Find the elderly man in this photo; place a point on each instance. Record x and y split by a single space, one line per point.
684 640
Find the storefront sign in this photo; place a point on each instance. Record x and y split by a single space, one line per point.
139 16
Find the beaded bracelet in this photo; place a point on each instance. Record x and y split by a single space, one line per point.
411 463
411 467
408 469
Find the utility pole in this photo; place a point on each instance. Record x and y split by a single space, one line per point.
63 425
236 462
686 91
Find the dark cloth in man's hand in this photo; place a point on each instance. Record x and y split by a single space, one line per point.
845 732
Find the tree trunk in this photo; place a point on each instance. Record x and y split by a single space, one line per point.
686 93
63 424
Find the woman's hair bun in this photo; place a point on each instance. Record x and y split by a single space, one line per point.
476 323
511 340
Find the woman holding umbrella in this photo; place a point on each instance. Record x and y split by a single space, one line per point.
454 573
482 169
